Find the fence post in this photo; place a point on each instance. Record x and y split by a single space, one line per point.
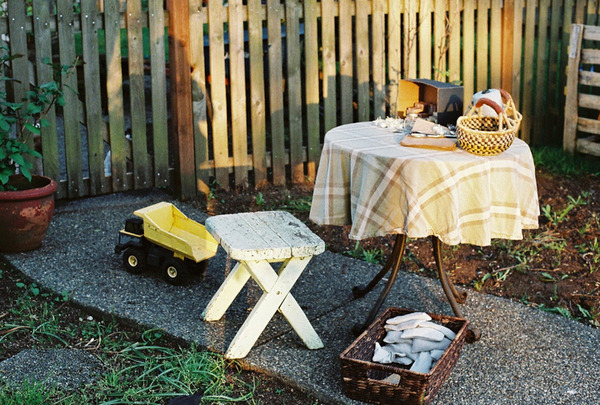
508 26
181 97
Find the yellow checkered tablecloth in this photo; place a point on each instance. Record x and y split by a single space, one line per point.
367 179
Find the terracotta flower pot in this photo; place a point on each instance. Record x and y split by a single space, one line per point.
25 214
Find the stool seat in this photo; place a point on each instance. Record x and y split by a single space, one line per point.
268 235
256 239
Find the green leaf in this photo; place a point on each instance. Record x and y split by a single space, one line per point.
20 284
25 172
5 126
33 129
60 100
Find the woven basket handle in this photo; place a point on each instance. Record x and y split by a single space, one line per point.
489 103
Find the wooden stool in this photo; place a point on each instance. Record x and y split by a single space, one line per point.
256 239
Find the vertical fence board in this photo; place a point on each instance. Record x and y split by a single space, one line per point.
566 18
43 52
394 58
329 63
311 56
378 59
93 107
425 42
294 88
468 59
528 58
200 98
160 139
441 42
114 89
507 38
517 34
216 17
541 99
257 92
591 17
482 55
410 32
73 156
454 54
237 80
276 105
553 77
135 59
362 59
496 44
346 64
579 11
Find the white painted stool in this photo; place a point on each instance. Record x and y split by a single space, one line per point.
256 239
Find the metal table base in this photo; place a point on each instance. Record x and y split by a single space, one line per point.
393 263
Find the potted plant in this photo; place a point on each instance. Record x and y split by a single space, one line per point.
26 199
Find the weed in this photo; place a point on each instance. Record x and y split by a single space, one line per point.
557 310
259 199
301 204
581 199
557 161
374 256
479 284
555 217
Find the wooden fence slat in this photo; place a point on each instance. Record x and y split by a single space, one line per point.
468 61
541 100
311 57
482 54
592 33
216 18
93 97
329 63
590 56
588 125
528 58
590 101
346 64
378 59
363 8
257 92
276 104
496 44
43 51
569 129
114 89
454 51
135 59
73 156
587 78
425 36
410 32
591 14
394 58
441 40
237 79
516 53
294 89
553 107
160 139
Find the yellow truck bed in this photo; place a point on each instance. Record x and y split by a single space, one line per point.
168 227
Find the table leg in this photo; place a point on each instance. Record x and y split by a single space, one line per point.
452 294
394 260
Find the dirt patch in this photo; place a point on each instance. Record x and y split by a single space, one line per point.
555 267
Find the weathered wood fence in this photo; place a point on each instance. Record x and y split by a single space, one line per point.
254 85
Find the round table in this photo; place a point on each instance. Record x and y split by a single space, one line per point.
366 179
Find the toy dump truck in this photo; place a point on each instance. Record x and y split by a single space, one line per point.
161 236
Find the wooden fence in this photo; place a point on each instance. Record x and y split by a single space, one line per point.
255 85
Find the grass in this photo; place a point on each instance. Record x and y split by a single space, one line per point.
142 367
557 161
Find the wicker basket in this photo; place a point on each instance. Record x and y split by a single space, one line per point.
486 135
362 378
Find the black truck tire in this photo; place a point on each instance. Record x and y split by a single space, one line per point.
175 271
134 260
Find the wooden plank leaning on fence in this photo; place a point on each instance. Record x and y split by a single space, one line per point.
362 59
346 63
311 56
394 59
328 38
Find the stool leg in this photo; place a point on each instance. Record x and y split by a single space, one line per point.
268 303
231 287
300 323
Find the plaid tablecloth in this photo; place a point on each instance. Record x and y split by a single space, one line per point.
367 179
